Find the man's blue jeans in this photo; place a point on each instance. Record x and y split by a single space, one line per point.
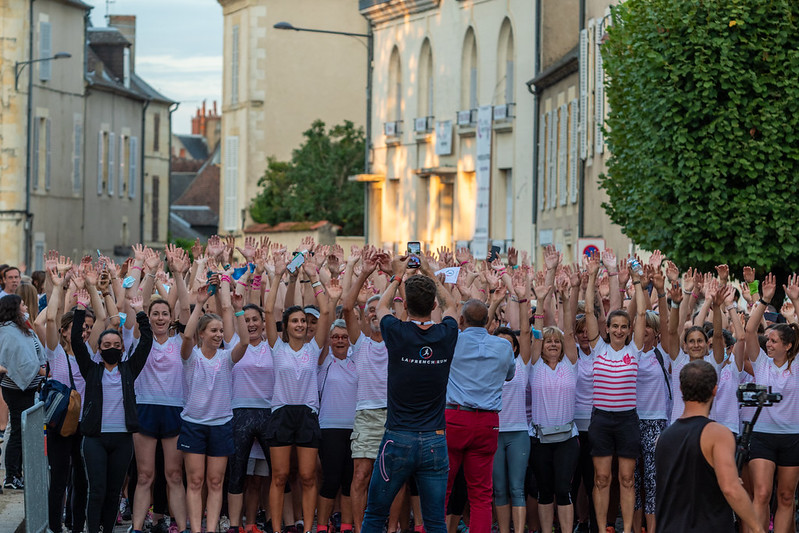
404 454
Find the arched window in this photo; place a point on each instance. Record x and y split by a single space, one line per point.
394 86
505 65
469 96
426 80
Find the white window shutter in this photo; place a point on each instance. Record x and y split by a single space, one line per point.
133 167
100 161
563 140
77 144
231 205
47 146
542 131
123 166
552 127
45 50
573 159
583 62
599 92
112 163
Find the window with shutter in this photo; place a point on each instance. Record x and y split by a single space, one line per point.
77 147
111 166
583 123
573 160
542 131
552 132
45 50
231 183
562 147
100 161
599 92
47 146
133 167
122 178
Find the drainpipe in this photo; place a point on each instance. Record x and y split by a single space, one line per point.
28 216
536 111
176 105
141 166
581 194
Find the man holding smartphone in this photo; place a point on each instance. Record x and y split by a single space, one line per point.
419 357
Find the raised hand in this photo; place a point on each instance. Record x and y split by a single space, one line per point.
50 259
658 280
334 289
215 247
672 272
592 264
237 300
792 288
723 272
136 303
83 297
196 248
513 256
280 263
355 254
788 311
263 243
90 275
55 276
656 259
202 294
248 252
138 252
463 255
63 264
609 260
541 291
152 260
749 274
552 257
768 287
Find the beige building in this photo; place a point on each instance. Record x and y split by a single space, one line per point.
277 82
451 134
570 108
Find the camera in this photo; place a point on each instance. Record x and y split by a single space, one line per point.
753 395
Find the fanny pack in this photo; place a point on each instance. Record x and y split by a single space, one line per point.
554 434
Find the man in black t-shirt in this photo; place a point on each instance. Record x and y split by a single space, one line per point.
419 356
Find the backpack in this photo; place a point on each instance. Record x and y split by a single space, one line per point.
61 405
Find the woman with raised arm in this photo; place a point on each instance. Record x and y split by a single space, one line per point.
725 408
614 428
295 403
553 377
774 448
513 449
159 399
206 431
109 412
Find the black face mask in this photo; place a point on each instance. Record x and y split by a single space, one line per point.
111 355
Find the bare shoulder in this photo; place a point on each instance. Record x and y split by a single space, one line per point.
716 438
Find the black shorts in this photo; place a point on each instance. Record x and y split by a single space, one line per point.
615 433
782 450
294 425
159 421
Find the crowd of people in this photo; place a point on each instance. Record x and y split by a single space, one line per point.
364 391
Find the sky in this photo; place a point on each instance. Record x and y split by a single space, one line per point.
178 49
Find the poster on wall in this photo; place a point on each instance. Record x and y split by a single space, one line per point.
444 137
483 178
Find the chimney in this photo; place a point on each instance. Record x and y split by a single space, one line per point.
126 24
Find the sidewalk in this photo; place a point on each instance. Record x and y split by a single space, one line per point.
12 502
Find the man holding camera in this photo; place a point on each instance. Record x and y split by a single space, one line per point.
696 477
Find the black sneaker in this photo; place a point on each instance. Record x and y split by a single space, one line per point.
160 527
13 483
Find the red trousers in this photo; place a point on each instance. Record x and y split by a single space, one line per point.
472 443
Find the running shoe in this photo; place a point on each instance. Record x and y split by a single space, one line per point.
161 526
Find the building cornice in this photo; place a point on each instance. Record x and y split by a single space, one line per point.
378 11
562 68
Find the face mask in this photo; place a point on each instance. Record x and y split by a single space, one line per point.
26 316
111 355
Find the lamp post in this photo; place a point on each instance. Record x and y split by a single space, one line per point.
369 59
19 66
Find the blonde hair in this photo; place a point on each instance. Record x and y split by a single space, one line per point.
552 331
206 319
653 320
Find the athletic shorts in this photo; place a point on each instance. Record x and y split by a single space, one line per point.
367 433
780 449
213 441
257 467
615 433
159 421
294 425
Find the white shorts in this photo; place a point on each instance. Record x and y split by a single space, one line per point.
257 467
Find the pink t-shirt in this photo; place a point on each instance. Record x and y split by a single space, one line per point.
113 408
652 394
161 379
725 404
678 406
295 375
781 417
209 383
337 379
513 416
552 393
254 378
615 375
371 364
59 371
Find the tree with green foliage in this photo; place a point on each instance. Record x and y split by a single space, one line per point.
704 131
314 185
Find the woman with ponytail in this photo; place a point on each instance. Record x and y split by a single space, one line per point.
774 448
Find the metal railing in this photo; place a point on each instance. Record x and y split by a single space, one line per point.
34 464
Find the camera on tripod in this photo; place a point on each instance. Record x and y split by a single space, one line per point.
754 395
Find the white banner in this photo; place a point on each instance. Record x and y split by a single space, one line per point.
450 274
483 175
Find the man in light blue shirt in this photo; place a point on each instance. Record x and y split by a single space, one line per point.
481 365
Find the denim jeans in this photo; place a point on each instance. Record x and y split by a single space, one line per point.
401 455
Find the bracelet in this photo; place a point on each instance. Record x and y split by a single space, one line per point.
482 290
674 305
398 299
695 295
538 316
392 279
522 301
514 299
137 268
764 302
636 282
238 313
241 282
623 291
150 274
686 292
317 293
613 274
515 267
316 284
731 306
305 281
661 295
225 277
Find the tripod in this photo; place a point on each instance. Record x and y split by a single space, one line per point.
742 446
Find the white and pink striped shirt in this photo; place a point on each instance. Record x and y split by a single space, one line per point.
780 418
615 375
338 380
725 404
584 393
513 416
678 406
254 378
652 393
295 375
552 393
161 379
113 409
59 370
209 383
371 363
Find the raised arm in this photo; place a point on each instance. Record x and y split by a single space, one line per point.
449 306
53 326
569 342
591 326
191 327
228 324
768 287
237 300
719 347
352 288
639 329
76 338
269 306
142 351
611 264
542 293
323 302
398 266
521 285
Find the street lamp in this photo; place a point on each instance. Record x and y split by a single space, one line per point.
19 66
369 59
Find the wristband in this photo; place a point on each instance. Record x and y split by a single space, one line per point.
137 268
637 282
538 316
686 292
238 313
754 286
317 293
241 282
695 295
316 284
731 306
305 281
515 267
522 301
225 277
398 299
764 302
623 291
674 305
537 334
661 295
392 279
613 274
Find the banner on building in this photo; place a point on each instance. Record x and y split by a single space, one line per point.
483 178
444 137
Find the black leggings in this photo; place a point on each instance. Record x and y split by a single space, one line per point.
17 401
248 425
63 455
554 466
335 454
108 458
